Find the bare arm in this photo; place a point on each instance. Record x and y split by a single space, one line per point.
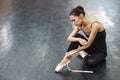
71 37
93 34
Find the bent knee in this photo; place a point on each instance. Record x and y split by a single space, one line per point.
90 62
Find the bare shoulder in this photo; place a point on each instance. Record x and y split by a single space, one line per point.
97 25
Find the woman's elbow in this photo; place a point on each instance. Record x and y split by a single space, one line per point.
68 39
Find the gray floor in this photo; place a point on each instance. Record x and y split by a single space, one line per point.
33 37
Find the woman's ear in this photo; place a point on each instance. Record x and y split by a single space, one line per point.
81 16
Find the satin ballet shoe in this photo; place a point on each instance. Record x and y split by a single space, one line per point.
82 54
60 67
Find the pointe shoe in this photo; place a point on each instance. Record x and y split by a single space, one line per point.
60 67
82 54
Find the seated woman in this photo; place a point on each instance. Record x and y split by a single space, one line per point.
92 49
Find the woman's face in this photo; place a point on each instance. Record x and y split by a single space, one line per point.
76 20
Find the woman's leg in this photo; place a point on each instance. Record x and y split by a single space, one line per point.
94 59
72 46
66 60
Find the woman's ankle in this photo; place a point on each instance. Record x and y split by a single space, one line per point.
64 62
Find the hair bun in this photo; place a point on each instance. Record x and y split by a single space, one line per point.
80 7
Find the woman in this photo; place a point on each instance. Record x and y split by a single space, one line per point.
92 49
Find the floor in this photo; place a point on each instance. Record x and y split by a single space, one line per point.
33 37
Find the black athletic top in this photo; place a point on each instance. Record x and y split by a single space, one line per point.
99 43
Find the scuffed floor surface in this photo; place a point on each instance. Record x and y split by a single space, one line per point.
33 37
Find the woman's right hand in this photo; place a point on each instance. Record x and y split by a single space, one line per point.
82 41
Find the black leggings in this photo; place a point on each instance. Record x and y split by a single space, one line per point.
90 60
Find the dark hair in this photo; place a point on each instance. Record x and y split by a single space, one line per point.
77 11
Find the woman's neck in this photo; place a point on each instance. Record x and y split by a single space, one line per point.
86 22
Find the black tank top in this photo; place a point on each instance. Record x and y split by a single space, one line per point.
99 43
